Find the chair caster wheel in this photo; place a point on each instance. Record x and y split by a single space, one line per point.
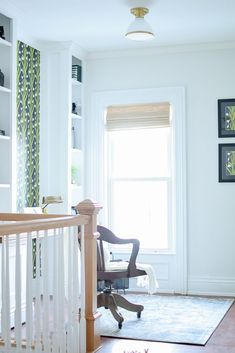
139 314
120 325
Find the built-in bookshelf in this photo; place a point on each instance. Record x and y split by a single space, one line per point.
62 123
7 115
76 119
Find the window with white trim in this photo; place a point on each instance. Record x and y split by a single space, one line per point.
139 177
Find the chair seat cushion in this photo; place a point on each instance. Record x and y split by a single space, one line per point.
148 281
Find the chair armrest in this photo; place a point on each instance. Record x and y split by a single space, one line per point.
135 250
108 236
132 262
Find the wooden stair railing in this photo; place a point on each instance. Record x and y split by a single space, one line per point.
21 231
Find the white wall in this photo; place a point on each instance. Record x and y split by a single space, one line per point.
207 73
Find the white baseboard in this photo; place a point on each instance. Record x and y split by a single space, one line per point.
212 286
143 291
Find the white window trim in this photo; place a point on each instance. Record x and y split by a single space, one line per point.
95 186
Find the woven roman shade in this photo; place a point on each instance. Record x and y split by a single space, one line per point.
140 116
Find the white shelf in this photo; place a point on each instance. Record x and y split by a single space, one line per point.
76 186
5 90
76 83
76 150
5 43
7 115
3 137
5 186
76 116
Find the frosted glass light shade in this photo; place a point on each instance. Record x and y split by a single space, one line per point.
140 30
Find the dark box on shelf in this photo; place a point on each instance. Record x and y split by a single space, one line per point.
77 72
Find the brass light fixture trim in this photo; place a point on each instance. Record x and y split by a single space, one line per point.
139 11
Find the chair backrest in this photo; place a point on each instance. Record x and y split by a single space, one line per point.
103 255
100 252
107 236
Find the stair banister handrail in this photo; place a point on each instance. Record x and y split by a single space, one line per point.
44 223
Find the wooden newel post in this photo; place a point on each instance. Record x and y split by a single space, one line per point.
91 208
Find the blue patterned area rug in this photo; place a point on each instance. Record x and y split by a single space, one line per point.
168 318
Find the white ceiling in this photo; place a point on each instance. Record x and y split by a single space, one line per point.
100 25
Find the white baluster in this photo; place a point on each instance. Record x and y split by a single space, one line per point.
55 293
29 293
61 292
45 292
76 292
3 289
5 310
7 293
70 326
18 320
37 298
81 257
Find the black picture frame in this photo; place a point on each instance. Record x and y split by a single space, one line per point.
226 162
226 117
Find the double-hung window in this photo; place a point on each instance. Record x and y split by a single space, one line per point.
139 182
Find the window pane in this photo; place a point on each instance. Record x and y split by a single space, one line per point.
140 153
139 210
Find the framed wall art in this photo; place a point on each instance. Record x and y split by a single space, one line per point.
226 117
227 162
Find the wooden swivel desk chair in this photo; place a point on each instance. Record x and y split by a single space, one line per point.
107 298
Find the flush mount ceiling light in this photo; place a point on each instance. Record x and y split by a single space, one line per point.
139 29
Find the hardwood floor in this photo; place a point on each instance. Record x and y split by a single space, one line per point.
222 341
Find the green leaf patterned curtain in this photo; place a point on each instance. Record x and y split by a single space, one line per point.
28 125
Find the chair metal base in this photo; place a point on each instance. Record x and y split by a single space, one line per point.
112 301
